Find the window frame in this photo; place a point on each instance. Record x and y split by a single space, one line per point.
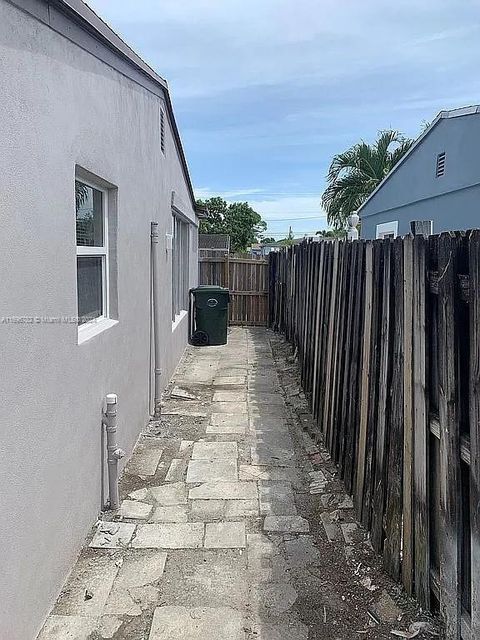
386 229
180 266
85 329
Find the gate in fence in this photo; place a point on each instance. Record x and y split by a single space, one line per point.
247 278
388 338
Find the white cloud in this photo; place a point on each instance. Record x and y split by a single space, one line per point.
210 46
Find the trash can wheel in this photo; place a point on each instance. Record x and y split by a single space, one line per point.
200 339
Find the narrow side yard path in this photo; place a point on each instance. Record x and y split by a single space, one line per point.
233 525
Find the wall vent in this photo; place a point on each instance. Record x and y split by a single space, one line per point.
440 164
162 130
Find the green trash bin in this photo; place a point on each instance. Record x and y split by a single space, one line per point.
208 315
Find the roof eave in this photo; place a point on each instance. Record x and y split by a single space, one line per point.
89 20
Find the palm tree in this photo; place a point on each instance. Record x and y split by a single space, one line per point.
356 172
338 232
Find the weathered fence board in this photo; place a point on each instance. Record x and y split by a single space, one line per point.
388 338
246 277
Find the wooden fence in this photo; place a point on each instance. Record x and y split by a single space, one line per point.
247 278
388 338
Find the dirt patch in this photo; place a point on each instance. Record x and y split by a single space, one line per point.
343 593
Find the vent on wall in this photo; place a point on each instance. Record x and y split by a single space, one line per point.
162 131
440 164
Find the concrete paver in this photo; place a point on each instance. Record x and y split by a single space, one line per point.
196 623
286 524
169 494
176 470
230 407
144 461
169 535
224 491
88 587
229 381
222 470
68 628
135 510
230 396
174 513
112 535
225 535
214 450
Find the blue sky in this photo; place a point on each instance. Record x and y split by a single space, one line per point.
267 91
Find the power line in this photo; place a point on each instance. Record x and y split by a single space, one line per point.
296 218
285 233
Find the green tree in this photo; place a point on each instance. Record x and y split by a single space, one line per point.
242 223
356 172
267 240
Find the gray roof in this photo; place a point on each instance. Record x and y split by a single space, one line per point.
114 52
452 113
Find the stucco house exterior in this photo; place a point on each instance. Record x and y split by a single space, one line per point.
438 180
90 156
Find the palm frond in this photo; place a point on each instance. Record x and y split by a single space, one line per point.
356 172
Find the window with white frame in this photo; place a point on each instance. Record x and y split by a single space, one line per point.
387 229
92 252
180 266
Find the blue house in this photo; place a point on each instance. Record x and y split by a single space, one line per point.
436 183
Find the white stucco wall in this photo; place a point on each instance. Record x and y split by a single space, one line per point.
61 107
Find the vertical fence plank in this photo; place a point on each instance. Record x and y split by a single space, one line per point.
383 418
355 380
474 401
393 512
345 427
421 431
407 559
330 339
365 376
450 483
374 367
318 328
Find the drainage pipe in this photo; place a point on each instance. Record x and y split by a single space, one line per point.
156 320
114 453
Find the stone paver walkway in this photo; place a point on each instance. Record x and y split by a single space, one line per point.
211 541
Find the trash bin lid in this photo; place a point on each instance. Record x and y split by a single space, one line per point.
209 287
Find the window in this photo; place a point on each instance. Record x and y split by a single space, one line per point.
92 252
387 229
162 130
180 266
440 170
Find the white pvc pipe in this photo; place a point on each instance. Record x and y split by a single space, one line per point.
156 320
114 452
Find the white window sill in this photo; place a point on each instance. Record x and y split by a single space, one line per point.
178 319
93 328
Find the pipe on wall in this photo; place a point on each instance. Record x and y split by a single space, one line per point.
156 320
114 452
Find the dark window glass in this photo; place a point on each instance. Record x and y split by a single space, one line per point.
89 288
89 210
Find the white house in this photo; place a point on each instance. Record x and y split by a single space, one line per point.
90 157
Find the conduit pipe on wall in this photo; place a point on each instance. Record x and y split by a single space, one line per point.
114 453
156 320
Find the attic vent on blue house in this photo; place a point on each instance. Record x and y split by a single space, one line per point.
440 164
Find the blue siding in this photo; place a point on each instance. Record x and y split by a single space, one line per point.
413 192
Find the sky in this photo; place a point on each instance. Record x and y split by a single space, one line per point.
265 92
